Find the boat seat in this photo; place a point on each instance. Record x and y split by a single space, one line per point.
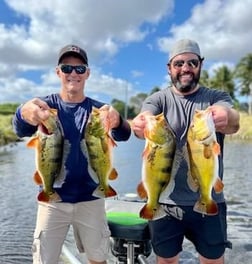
128 226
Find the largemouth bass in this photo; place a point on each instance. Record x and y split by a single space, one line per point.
99 146
203 150
158 157
48 144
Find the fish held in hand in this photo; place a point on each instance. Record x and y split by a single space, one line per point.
203 150
98 149
157 163
48 144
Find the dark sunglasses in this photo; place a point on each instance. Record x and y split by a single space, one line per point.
79 69
194 63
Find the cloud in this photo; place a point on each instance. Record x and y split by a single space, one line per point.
33 35
102 27
223 29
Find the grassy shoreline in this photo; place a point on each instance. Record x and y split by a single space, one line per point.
7 135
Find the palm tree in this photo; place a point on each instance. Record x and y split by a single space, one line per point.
204 78
223 80
243 72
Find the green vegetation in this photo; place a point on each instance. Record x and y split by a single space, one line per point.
245 131
236 82
6 132
8 136
8 108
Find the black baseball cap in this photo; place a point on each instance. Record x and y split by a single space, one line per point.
73 50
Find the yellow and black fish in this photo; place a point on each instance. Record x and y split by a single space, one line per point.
48 144
203 150
99 145
158 157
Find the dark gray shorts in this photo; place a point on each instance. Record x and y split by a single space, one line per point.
207 233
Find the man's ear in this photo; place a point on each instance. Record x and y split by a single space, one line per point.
169 68
57 70
88 73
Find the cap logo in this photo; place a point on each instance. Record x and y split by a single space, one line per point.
74 48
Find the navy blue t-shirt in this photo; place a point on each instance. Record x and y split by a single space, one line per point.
77 186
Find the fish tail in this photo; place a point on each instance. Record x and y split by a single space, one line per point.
147 212
110 192
44 197
207 208
100 192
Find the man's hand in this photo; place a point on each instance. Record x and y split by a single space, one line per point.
226 119
35 111
139 123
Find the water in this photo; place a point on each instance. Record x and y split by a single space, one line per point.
18 199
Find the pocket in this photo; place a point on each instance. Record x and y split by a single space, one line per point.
106 239
36 245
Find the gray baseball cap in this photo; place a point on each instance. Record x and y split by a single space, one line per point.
183 46
73 50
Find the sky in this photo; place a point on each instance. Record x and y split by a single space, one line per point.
127 42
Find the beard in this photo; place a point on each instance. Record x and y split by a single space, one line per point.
185 87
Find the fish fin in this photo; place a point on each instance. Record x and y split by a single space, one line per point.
216 148
32 143
192 183
101 193
147 212
113 174
218 185
37 179
141 191
207 151
209 208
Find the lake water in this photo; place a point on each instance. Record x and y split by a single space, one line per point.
18 199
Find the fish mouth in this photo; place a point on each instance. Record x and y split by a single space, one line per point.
42 128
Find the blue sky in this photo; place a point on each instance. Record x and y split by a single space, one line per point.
127 41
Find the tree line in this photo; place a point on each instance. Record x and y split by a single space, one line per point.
237 82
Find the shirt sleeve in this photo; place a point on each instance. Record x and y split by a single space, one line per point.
122 132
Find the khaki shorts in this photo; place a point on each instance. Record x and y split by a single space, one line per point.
89 223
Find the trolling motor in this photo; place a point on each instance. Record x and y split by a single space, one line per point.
130 237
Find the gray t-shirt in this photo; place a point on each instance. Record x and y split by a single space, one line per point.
179 110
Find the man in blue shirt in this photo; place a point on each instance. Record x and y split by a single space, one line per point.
79 207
